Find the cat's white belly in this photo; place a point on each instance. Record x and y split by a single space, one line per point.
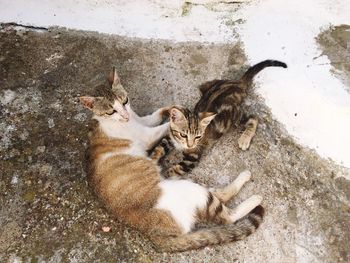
135 149
182 198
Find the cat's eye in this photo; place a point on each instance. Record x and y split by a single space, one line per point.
183 135
111 113
198 137
126 101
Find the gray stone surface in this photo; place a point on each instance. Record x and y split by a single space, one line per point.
335 43
47 211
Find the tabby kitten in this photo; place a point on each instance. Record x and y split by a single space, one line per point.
219 109
132 189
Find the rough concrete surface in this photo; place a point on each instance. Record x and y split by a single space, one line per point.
336 45
47 211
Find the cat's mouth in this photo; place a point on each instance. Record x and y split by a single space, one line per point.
122 111
125 115
124 119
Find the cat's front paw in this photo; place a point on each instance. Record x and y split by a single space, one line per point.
244 141
175 171
157 153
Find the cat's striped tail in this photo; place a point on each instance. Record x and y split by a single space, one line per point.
252 71
214 235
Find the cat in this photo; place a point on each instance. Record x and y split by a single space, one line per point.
130 186
216 112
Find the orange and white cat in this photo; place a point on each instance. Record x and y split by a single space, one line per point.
131 187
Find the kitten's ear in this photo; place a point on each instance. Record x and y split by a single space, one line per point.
87 102
206 118
176 115
113 77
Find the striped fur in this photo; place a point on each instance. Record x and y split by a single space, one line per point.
130 185
222 97
214 235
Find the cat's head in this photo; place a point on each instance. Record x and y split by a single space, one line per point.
112 102
187 129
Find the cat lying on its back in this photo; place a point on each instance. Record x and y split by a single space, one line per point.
218 109
130 186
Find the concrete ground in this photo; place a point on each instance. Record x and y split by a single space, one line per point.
47 211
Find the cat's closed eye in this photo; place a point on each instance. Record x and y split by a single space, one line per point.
198 137
183 135
126 101
111 112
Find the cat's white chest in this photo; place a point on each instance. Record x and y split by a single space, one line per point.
132 131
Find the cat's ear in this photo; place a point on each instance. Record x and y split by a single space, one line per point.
87 102
113 77
176 115
206 118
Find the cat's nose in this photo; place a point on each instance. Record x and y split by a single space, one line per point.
189 144
126 117
124 114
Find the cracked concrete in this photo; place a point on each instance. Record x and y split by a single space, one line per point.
47 211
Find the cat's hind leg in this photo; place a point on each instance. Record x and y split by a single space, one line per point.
248 133
245 207
216 210
229 191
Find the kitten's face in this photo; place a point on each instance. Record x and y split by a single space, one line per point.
187 129
113 102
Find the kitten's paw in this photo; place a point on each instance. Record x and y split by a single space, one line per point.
165 143
244 141
245 176
175 170
157 153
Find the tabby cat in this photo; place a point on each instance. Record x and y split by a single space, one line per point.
219 109
130 185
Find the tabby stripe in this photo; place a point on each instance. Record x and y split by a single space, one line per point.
165 147
190 158
185 167
209 203
254 220
210 199
177 169
218 209
188 164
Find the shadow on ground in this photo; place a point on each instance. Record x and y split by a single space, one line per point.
47 212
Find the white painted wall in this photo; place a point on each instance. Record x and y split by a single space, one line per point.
283 30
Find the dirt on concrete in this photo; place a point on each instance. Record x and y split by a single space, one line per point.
49 214
335 44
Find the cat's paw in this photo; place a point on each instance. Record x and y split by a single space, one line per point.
245 176
165 144
244 141
157 153
174 171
